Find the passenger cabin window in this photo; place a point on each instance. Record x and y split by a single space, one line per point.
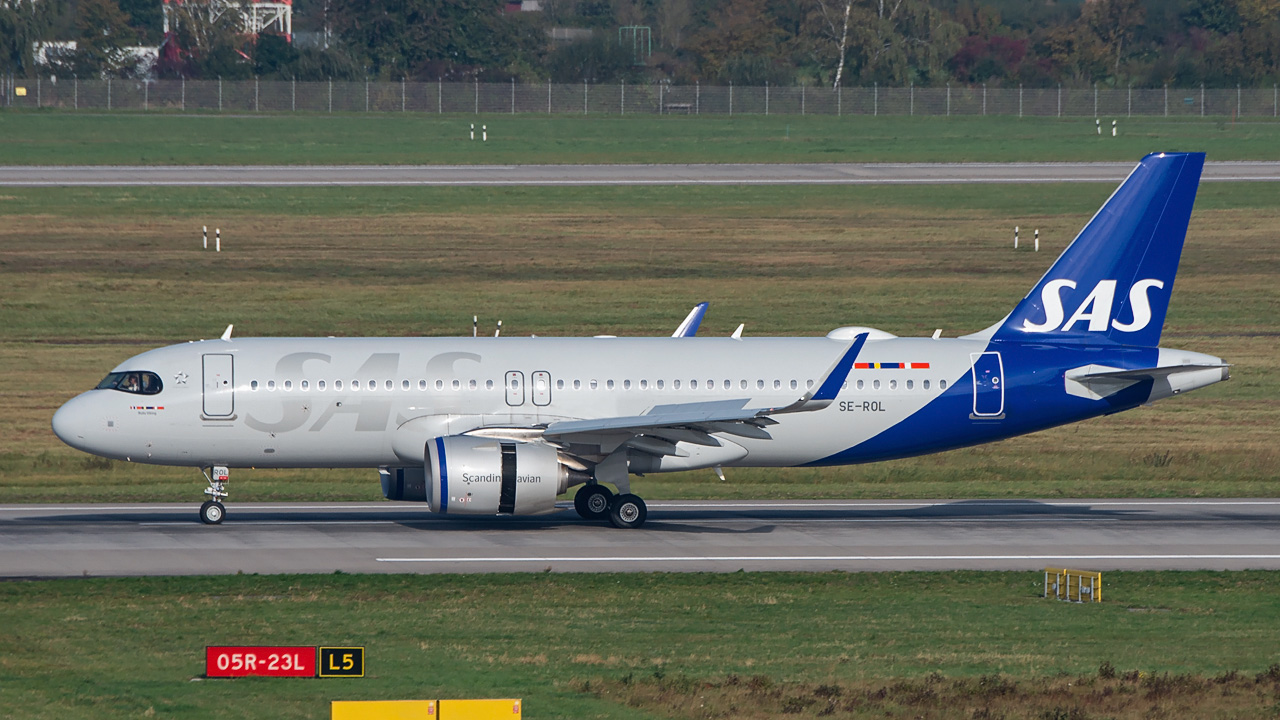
253 385
138 383
942 384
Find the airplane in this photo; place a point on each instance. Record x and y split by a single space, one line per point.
505 425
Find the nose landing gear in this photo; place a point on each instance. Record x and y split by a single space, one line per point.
212 511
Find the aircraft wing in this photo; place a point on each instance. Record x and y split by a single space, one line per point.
689 327
695 422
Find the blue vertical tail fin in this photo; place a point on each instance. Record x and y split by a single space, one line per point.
1113 283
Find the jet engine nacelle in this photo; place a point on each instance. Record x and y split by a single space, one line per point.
483 476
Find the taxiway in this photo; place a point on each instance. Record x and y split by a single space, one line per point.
553 175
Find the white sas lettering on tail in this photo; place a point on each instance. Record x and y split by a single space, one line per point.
1141 305
1053 312
1096 308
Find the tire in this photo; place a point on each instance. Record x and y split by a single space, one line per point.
592 502
627 512
212 512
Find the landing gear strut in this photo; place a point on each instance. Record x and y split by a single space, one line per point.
592 502
212 511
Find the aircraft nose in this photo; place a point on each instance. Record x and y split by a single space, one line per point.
71 423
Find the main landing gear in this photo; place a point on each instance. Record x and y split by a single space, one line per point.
212 511
597 502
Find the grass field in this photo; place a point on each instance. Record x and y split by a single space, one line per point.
89 277
753 645
52 138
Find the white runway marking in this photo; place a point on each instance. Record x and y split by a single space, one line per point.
197 523
1012 503
187 506
828 558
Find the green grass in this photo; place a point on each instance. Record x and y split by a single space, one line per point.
53 138
126 648
89 277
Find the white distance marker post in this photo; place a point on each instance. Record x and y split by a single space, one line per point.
1113 128
473 131
484 133
1098 123
204 235
1015 237
1037 239
217 239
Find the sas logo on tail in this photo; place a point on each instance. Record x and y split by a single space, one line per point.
1096 309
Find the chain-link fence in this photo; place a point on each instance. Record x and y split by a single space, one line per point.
261 96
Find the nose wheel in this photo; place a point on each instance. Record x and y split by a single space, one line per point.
212 511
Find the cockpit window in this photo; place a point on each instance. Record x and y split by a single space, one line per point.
141 383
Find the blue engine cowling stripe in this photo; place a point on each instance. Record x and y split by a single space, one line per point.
444 475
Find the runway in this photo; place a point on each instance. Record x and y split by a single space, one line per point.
714 536
562 175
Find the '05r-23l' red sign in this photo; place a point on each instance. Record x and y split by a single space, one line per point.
230 661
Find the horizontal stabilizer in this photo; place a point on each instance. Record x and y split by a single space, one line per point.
1099 381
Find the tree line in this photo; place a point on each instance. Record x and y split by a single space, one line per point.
747 42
